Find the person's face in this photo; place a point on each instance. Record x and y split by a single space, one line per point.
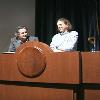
62 27
22 33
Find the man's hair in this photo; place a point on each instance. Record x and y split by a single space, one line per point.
66 22
20 27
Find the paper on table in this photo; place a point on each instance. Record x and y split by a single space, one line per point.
8 52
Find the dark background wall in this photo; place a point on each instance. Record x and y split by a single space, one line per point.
12 14
83 15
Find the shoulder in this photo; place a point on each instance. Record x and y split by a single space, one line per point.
74 32
32 37
56 35
13 39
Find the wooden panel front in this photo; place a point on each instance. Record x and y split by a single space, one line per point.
92 95
63 67
13 92
60 68
91 67
91 75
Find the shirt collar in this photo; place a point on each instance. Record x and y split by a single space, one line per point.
63 33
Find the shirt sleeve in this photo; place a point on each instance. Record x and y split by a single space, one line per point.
54 43
71 44
11 46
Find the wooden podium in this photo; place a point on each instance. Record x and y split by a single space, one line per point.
35 72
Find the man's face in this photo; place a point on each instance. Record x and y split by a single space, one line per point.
22 33
62 27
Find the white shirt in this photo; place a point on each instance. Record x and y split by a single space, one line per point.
66 41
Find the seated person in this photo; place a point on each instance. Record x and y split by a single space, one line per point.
66 39
21 36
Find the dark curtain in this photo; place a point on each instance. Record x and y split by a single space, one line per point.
79 12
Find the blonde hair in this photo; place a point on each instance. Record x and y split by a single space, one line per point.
66 22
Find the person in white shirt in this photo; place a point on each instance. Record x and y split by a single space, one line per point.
66 39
